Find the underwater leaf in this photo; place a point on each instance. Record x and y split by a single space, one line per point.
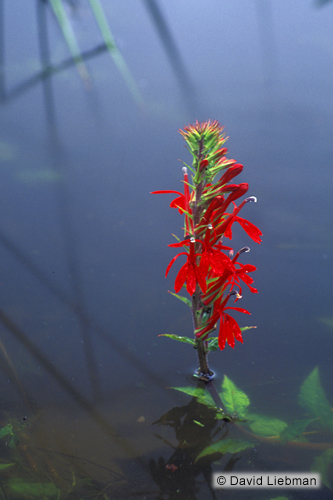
234 400
8 429
225 446
187 340
295 430
13 442
202 395
183 299
322 465
5 466
312 397
265 426
17 487
280 498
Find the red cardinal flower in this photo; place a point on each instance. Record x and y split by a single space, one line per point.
229 329
182 202
214 257
248 227
211 273
190 272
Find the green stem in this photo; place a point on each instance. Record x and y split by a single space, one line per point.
203 372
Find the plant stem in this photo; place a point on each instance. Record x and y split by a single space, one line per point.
203 372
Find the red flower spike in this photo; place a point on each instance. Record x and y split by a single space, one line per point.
211 273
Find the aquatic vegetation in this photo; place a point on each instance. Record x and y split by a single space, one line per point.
43 176
253 429
212 273
110 44
28 471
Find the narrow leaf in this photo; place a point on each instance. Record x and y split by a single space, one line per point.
183 299
213 344
18 487
187 340
5 466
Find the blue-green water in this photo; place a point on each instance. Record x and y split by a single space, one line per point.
83 244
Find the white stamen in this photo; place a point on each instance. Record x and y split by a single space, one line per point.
251 198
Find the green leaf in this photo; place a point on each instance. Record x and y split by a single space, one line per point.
280 498
18 487
183 299
187 340
5 466
8 429
13 442
225 446
201 394
265 426
234 400
243 328
312 397
295 430
213 344
322 465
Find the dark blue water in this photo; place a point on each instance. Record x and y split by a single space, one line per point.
83 244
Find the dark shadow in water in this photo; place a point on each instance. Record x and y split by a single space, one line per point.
179 474
62 202
48 69
2 52
177 64
78 398
137 363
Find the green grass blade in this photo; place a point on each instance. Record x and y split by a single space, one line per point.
114 51
70 38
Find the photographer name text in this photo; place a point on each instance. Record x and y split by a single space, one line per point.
266 480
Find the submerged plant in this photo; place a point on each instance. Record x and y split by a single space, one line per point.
212 273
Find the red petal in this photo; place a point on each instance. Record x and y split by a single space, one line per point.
172 261
179 203
181 277
191 281
239 309
250 229
165 191
200 275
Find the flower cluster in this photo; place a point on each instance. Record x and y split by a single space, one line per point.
212 272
